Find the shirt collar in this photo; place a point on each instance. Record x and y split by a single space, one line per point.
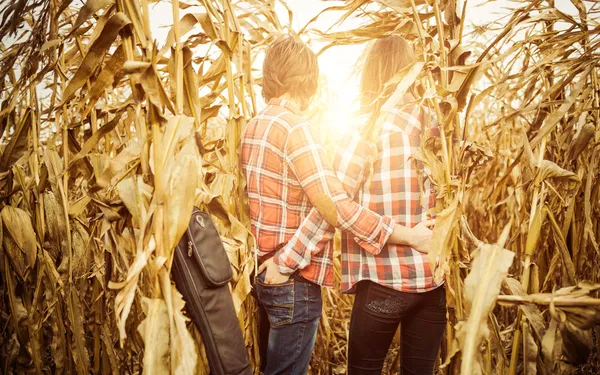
286 104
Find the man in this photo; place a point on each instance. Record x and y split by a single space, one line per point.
287 172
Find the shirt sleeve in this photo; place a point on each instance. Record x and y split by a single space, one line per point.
306 158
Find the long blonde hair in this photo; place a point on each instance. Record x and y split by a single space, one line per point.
386 57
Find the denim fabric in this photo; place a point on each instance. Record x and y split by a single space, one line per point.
288 319
376 314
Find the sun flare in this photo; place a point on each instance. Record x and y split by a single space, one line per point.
341 91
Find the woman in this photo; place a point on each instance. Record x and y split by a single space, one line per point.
395 287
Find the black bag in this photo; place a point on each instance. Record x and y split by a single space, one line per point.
202 272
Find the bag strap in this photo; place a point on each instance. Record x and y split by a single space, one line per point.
255 250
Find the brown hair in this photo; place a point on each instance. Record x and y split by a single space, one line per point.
290 67
386 57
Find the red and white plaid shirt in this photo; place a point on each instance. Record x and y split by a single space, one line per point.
394 190
286 169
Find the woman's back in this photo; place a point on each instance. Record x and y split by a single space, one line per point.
397 187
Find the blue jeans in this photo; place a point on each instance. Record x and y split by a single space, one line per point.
288 319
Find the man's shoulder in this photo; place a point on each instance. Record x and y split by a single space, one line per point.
281 117
273 125
295 121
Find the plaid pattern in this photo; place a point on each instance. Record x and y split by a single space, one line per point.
396 189
286 169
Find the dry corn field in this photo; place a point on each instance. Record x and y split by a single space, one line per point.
109 137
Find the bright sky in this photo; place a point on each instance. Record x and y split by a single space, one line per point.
337 63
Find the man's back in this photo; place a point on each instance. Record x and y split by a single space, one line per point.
276 199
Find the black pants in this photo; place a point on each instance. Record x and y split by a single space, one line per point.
375 317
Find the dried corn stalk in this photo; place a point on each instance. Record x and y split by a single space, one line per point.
101 125
110 138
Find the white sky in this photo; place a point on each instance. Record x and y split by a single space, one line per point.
337 63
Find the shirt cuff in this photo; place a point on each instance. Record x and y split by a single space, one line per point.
284 268
375 247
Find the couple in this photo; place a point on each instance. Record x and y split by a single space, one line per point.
297 198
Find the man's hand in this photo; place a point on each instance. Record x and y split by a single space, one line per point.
421 236
272 276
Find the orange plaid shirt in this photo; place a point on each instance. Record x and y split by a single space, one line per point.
286 167
397 188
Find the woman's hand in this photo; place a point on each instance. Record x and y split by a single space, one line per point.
420 237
